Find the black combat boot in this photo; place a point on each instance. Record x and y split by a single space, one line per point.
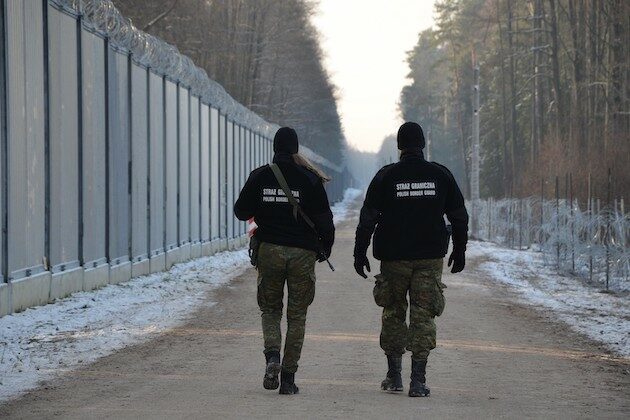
393 380
272 370
287 384
417 388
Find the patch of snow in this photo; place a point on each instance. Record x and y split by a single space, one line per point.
341 210
79 329
602 317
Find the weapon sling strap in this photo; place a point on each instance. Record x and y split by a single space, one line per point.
296 206
287 191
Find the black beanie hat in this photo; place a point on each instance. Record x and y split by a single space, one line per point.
410 136
285 141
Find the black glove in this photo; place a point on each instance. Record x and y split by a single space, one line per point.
359 263
323 255
325 249
457 260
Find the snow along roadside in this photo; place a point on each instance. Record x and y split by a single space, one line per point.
600 316
40 342
341 210
34 344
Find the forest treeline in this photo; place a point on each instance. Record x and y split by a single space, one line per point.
265 53
555 92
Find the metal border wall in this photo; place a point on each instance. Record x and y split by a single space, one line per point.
157 174
26 174
215 175
204 174
140 150
118 156
93 164
63 152
4 288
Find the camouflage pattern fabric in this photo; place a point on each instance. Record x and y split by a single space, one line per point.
421 279
296 266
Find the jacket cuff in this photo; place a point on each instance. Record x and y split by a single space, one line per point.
361 245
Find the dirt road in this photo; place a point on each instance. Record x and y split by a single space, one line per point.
494 359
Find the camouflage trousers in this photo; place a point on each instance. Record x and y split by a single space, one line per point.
421 279
296 266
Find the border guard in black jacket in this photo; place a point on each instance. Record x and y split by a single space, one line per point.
406 203
288 250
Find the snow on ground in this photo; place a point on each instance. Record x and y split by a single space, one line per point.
40 342
341 210
601 316
34 344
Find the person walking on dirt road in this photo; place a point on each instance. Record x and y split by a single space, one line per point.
295 228
405 204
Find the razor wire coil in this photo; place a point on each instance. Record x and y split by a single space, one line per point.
589 241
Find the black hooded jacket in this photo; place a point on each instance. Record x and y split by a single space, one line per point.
406 203
263 198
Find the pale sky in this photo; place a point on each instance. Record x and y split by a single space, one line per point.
365 43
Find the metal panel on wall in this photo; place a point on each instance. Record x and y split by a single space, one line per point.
257 151
3 97
265 156
157 178
63 108
204 158
184 164
254 163
250 157
215 198
25 137
241 171
266 150
170 119
230 179
250 152
244 166
263 150
238 157
119 156
93 148
248 161
139 162
195 174
223 175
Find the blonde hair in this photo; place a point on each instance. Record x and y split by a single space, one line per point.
304 162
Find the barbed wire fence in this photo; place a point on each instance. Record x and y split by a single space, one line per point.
587 239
